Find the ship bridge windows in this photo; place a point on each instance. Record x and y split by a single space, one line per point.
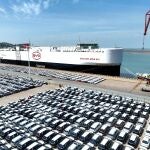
54 49
88 46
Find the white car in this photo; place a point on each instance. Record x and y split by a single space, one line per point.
142 148
147 133
145 142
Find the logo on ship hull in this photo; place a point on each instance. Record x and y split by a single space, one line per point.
36 55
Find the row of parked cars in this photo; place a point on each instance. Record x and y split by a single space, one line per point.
56 74
75 119
10 84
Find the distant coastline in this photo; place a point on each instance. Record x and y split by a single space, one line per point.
136 51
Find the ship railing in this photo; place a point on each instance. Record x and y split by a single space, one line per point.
88 50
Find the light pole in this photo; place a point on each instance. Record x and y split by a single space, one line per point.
29 68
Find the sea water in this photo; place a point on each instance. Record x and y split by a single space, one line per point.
135 63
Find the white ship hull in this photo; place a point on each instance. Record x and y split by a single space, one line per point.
45 55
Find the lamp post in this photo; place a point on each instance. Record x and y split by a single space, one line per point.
29 68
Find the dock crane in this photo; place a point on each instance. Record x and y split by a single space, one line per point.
147 22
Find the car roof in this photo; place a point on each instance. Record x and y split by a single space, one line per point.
104 141
115 145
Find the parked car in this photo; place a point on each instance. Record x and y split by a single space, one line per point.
113 133
105 128
96 138
56 139
65 143
75 146
105 144
145 142
120 124
123 136
116 146
147 132
138 129
128 126
86 136
134 140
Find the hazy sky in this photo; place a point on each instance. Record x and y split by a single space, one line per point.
63 22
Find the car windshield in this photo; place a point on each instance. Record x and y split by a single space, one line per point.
148 131
145 142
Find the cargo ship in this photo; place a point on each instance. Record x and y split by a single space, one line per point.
85 57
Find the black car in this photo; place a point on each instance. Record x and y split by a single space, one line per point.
138 129
64 144
96 138
62 126
48 136
87 123
103 119
128 126
33 146
11 135
134 140
35 128
133 118
86 136
87 147
17 139
56 139
45 147
105 144
24 143
42 132
76 132
116 146
145 114
125 116
142 121
113 133
117 114
54 123
72 119
112 120
75 146
120 124
123 136
80 120
5 132
104 129
29 125
68 130
95 126
67 116
95 116
128 148
6 147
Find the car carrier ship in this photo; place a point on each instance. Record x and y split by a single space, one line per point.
82 57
